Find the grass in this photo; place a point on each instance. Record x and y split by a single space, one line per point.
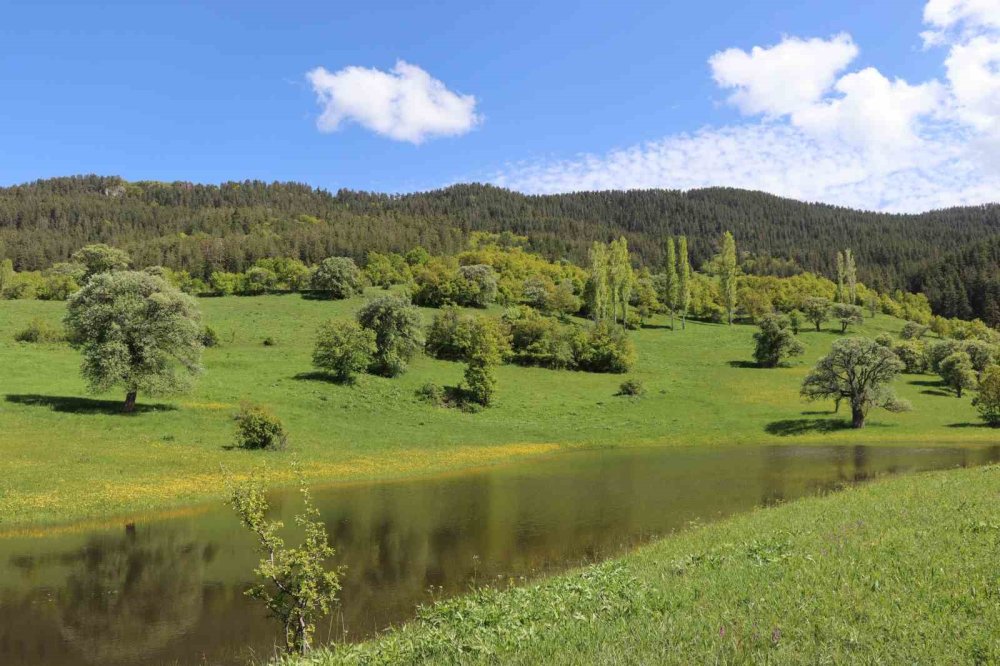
69 456
900 571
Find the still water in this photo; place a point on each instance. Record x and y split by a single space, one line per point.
170 590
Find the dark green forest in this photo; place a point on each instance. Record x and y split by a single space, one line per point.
952 255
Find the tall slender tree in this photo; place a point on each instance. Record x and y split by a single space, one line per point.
683 279
841 269
670 280
620 279
851 277
598 295
728 275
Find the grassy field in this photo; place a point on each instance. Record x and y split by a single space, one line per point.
69 456
901 571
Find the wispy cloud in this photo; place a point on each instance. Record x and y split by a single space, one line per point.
822 133
404 104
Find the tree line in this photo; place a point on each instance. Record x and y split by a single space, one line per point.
206 229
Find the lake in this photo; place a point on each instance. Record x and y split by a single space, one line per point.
170 589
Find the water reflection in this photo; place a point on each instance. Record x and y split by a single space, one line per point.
171 591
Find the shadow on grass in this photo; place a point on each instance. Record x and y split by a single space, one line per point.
319 376
970 425
742 364
654 327
937 383
75 405
938 392
792 427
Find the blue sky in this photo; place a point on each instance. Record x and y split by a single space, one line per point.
537 96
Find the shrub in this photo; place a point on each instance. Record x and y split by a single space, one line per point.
913 355
603 348
477 285
884 339
269 342
258 428
398 333
957 372
775 341
39 330
912 331
336 278
988 400
431 393
343 349
631 387
939 351
449 334
538 340
488 345
209 338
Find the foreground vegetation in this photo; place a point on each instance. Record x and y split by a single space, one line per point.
69 457
898 571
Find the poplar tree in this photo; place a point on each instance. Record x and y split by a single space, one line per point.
683 280
620 279
851 277
598 294
840 277
670 281
728 274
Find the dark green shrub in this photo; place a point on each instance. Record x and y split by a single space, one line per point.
209 338
398 333
258 428
38 330
603 348
449 334
431 393
539 340
632 387
269 342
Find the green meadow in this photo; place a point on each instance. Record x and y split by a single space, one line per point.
69 456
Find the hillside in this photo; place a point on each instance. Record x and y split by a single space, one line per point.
203 228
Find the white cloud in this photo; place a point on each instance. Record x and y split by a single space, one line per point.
862 140
405 104
784 78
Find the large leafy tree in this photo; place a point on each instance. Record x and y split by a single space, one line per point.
398 333
857 370
136 332
336 278
775 341
100 258
988 400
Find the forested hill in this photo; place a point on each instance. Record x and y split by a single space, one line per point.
203 228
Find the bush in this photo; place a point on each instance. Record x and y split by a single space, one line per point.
398 333
209 338
449 334
258 428
913 355
603 348
988 400
477 285
269 342
343 349
775 341
38 330
912 331
336 278
631 387
538 340
884 339
431 393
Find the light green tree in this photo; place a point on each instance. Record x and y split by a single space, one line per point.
670 281
336 278
850 277
297 587
683 280
136 332
987 402
343 349
841 274
6 275
488 342
100 258
728 275
957 372
598 295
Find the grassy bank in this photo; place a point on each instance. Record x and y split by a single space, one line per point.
898 571
69 456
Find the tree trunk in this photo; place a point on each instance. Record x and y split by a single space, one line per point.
129 405
817 326
857 417
958 391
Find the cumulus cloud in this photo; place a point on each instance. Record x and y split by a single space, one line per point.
821 133
405 104
784 78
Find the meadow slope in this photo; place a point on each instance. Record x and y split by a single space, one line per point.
70 456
